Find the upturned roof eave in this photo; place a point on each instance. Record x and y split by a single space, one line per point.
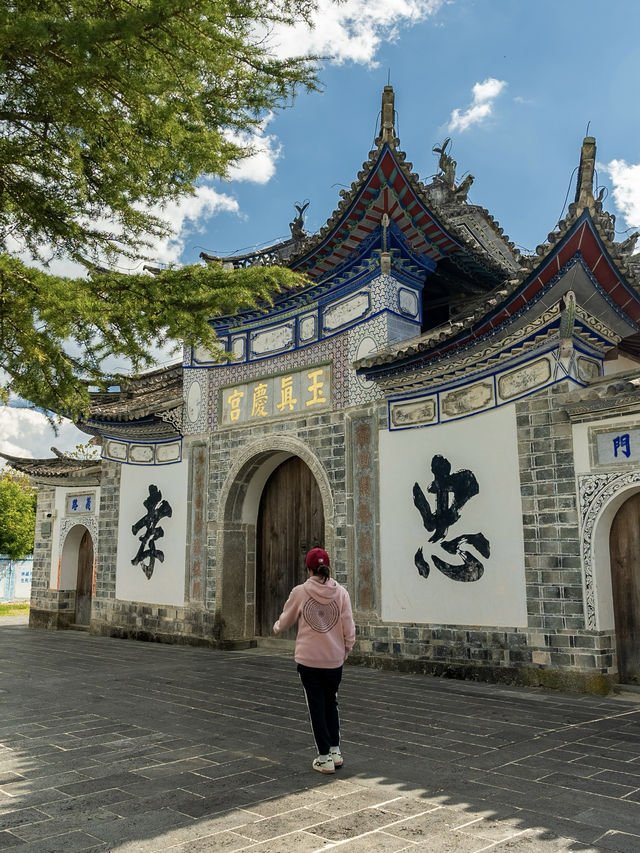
78 472
502 299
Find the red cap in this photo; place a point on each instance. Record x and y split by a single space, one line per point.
317 557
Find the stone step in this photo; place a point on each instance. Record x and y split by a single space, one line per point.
75 627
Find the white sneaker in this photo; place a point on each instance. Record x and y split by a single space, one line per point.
324 764
335 753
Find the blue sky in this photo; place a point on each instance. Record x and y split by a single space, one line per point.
561 70
541 71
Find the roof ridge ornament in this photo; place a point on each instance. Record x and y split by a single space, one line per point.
387 113
586 170
447 172
298 233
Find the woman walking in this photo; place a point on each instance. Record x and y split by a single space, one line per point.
326 634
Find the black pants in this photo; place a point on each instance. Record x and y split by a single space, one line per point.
321 689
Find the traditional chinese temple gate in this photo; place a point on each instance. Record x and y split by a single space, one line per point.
456 422
290 522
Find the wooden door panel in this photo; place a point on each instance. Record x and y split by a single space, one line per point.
624 548
290 521
84 580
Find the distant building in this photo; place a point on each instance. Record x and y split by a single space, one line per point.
457 423
15 579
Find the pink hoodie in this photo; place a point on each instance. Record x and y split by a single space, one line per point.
326 631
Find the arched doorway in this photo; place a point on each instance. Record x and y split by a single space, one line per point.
624 548
77 570
290 522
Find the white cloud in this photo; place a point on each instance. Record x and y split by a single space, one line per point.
186 216
626 190
25 432
260 167
352 30
484 94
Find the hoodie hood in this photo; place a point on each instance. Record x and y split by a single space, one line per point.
322 592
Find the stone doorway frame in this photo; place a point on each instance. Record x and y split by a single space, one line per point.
601 496
238 506
70 555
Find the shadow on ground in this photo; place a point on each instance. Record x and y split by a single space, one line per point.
113 745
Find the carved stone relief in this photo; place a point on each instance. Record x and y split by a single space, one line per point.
595 492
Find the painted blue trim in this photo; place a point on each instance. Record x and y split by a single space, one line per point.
417 296
143 440
333 330
149 443
326 337
437 391
313 314
473 341
253 334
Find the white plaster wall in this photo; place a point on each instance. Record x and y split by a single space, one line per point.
485 444
166 585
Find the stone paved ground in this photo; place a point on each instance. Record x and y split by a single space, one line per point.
111 745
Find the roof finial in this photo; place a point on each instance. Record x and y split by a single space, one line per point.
387 131
584 187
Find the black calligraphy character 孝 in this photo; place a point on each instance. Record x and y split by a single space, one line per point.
156 509
452 492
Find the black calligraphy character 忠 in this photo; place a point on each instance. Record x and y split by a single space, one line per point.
156 509
452 491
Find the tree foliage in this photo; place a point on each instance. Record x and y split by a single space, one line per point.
17 515
56 332
108 107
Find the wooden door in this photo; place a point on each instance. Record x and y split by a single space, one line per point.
624 547
85 580
290 522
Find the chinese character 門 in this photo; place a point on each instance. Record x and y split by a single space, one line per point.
623 443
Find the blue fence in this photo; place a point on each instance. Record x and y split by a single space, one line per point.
15 579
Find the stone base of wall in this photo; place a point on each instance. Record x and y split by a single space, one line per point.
172 639
569 680
563 659
50 620
161 624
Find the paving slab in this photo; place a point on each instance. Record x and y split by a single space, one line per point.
116 745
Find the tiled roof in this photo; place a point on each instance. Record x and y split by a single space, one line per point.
138 397
60 467
516 289
434 218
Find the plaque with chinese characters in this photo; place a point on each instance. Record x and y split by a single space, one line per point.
617 447
80 504
298 392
